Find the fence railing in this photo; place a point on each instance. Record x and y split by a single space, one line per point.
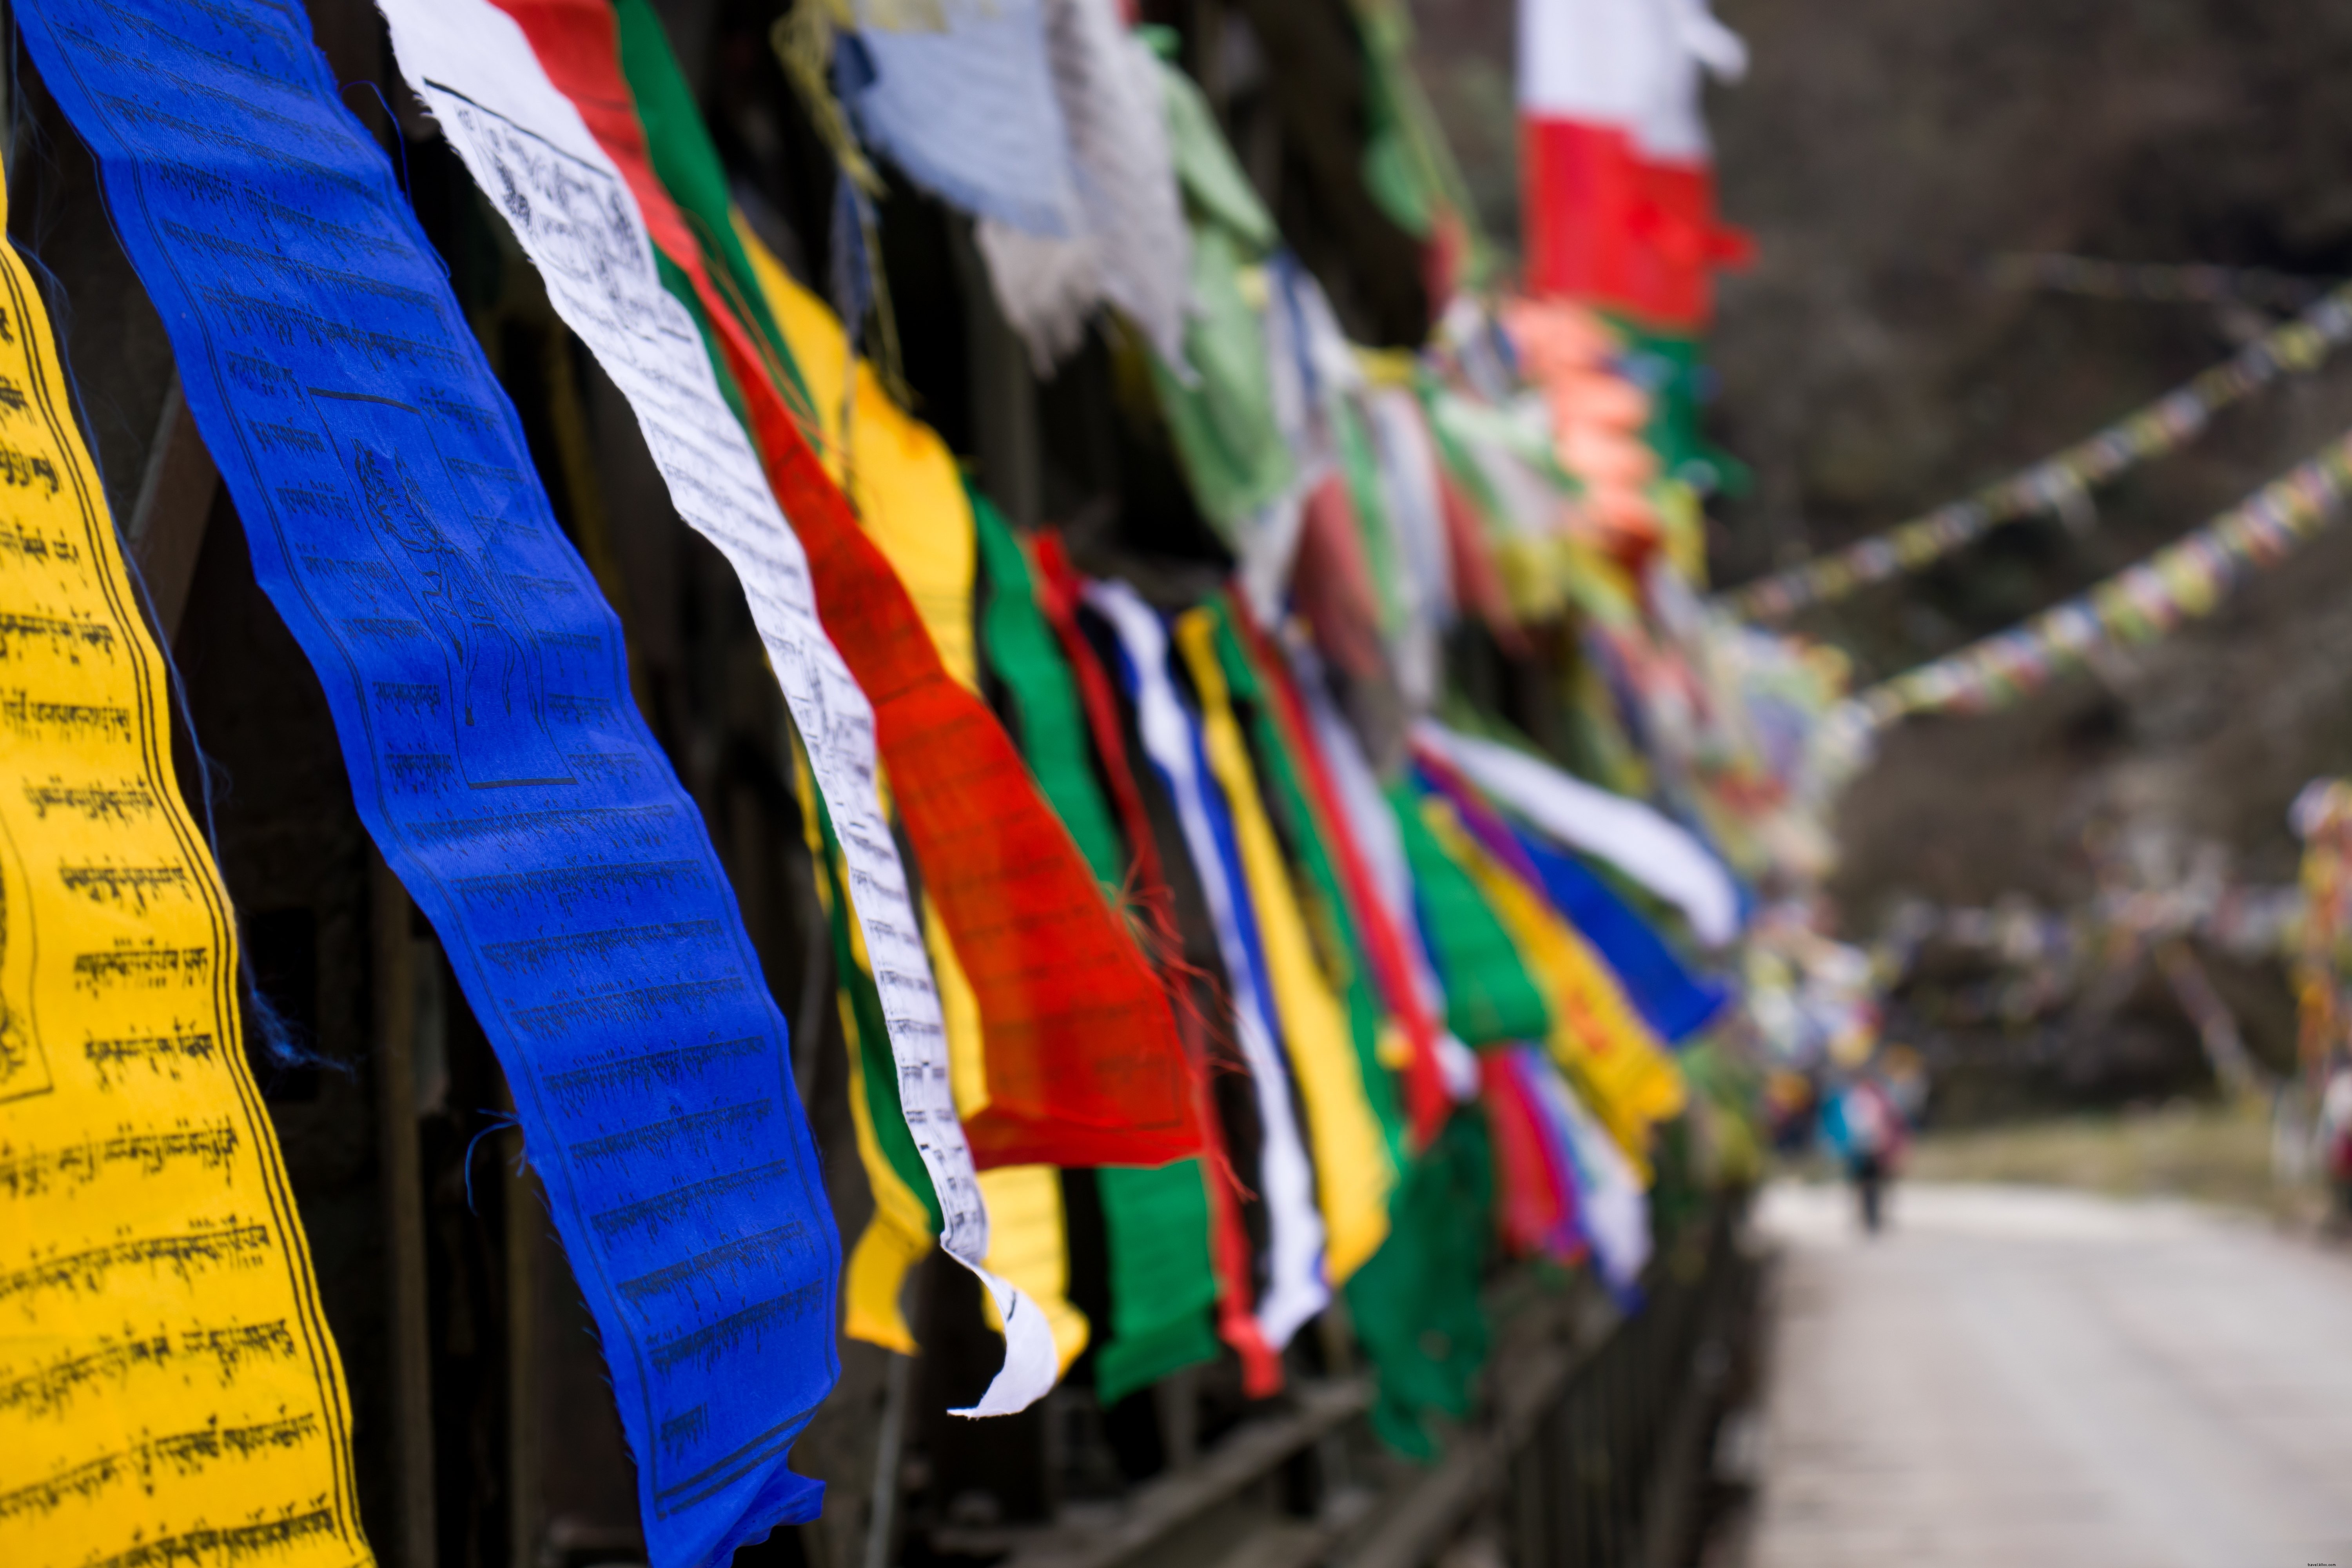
1589 1450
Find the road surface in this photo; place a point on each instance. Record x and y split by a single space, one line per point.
2014 1377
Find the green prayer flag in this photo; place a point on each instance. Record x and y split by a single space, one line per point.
1027 657
1324 894
1677 373
1489 996
687 163
1162 1288
1415 1305
1221 419
1214 186
1409 168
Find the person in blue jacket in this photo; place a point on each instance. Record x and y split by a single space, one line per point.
1862 1128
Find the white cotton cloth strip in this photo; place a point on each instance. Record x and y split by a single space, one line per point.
1647 847
1132 249
1296 1287
1629 65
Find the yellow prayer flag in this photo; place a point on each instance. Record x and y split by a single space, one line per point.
1354 1170
168 1389
897 473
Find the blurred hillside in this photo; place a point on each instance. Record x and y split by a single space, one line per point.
1870 369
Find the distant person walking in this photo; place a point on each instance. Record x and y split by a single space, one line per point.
1865 1132
2335 1141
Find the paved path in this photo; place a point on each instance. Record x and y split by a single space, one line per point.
2011 1378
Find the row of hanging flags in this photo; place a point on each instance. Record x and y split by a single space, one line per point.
2322 817
1456 982
2062 483
2184 581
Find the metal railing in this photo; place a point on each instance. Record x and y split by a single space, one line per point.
1589 1450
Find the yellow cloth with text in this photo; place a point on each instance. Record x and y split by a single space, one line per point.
902 480
1353 1171
1606 1047
169 1392
899 474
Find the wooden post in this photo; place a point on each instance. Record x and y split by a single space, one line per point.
167 520
401 1179
526 1445
1003 393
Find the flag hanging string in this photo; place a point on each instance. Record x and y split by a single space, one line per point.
2194 283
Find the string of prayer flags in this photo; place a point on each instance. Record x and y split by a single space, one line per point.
2184 581
1059 590
2058 482
1296 1287
1353 1167
478 683
168 1388
1017 996
2196 283
1156 1221
516 133
1331 841
1084 1063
